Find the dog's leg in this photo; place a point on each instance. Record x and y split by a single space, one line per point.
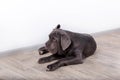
48 58
42 50
66 61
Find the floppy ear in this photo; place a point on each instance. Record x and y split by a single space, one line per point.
65 41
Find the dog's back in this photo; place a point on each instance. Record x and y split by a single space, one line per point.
83 41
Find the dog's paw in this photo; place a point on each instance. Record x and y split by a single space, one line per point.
52 67
41 52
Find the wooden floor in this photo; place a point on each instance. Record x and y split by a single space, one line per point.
103 65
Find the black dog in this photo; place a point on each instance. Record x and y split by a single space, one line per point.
67 47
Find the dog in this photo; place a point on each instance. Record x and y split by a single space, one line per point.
67 47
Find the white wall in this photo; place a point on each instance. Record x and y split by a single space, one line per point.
27 22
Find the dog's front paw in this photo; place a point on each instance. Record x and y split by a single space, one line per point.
42 50
52 67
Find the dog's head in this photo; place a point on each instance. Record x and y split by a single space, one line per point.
58 38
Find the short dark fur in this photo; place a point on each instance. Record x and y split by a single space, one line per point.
67 47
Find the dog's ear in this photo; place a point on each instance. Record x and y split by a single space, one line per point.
58 26
65 41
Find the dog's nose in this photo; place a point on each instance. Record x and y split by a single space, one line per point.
46 44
